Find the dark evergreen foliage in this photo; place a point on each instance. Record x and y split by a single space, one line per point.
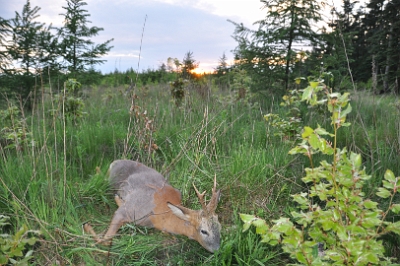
77 49
188 65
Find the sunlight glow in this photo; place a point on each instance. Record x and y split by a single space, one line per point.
201 71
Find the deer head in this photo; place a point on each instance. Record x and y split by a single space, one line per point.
205 220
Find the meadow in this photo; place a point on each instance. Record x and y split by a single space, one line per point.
53 175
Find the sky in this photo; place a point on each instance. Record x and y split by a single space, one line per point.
171 28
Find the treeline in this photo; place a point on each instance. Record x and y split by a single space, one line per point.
35 53
356 43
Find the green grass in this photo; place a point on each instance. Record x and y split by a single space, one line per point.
59 183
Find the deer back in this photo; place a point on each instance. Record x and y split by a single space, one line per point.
137 184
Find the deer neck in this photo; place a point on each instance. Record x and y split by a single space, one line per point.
163 219
168 222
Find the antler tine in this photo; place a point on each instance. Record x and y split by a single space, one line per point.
212 205
201 198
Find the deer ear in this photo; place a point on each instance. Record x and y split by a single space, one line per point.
181 212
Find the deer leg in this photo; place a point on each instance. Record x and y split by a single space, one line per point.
89 229
117 221
118 200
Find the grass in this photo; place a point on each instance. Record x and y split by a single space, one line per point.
59 183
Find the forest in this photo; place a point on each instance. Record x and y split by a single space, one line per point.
301 133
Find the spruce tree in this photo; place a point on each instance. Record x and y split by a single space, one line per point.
290 22
77 49
5 31
24 48
256 53
382 27
222 67
32 48
188 65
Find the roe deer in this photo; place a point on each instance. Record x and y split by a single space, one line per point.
144 197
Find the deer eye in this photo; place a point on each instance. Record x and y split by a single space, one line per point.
204 232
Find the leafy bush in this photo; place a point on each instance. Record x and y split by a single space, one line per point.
335 222
178 90
73 105
13 248
13 132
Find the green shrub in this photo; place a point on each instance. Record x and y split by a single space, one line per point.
178 90
13 248
13 132
69 104
335 222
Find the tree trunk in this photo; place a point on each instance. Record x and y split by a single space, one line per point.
289 52
388 60
374 75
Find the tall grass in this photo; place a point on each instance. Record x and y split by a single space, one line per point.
58 182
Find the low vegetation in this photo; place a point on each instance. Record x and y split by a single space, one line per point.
56 181
249 124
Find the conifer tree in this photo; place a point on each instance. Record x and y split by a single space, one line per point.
5 31
32 47
382 27
24 46
77 49
222 67
290 21
188 65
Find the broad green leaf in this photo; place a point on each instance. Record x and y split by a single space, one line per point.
394 227
261 230
307 93
335 256
3 259
345 112
388 185
307 132
246 226
345 124
389 176
371 222
336 214
372 258
322 131
383 193
335 117
301 258
265 238
17 252
314 142
301 199
283 225
303 149
356 159
31 241
261 226
257 222
247 218
328 225
369 204
395 208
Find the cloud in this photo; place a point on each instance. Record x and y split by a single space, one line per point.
172 28
242 11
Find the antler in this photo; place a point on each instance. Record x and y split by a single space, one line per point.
212 205
201 198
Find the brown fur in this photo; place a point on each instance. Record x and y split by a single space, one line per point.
145 198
